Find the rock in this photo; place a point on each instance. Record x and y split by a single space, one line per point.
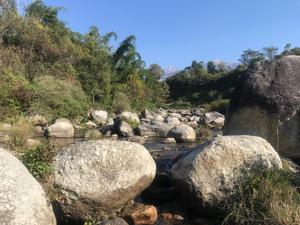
62 128
267 104
96 178
114 221
125 129
158 118
214 118
173 120
22 199
38 120
210 173
142 215
193 124
114 136
93 135
130 118
137 139
177 115
170 218
38 129
183 133
99 116
31 143
147 130
147 114
110 121
91 125
168 141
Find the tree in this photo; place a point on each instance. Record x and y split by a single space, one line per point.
211 67
250 56
288 47
270 52
156 71
7 6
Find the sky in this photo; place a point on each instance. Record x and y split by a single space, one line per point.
172 33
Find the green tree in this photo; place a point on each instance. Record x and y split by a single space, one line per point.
250 56
270 52
211 67
156 71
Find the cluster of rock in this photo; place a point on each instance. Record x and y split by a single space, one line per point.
100 179
177 124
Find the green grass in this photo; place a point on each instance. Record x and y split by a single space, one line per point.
38 160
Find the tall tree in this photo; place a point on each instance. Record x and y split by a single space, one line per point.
156 71
211 67
249 56
270 52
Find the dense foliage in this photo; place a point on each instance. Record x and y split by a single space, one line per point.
46 68
210 86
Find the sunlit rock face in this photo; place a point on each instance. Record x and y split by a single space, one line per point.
266 104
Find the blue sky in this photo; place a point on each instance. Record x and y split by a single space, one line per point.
175 32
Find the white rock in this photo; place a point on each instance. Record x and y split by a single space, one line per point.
22 199
209 173
101 176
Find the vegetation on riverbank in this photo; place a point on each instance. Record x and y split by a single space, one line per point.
48 69
266 198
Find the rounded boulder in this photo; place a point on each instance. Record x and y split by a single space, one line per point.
211 172
22 199
95 178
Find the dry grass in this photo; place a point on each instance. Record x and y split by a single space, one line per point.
267 198
22 130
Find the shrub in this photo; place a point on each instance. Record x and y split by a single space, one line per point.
38 160
22 130
267 198
121 103
59 98
15 94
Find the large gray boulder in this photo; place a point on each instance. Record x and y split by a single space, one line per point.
22 199
214 119
183 133
125 130
266 104
155 129
62 128
211 172
99 116
130 118
95 178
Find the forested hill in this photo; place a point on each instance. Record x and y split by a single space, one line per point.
47 68
198 86
211 85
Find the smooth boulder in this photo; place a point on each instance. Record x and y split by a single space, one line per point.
99 116
22 199
267 104
62 128
125 130
96 178
183 133
211 172
130 118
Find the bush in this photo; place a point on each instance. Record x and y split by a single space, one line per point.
267 198
56 98
39 159
22 130
15 95
121 103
